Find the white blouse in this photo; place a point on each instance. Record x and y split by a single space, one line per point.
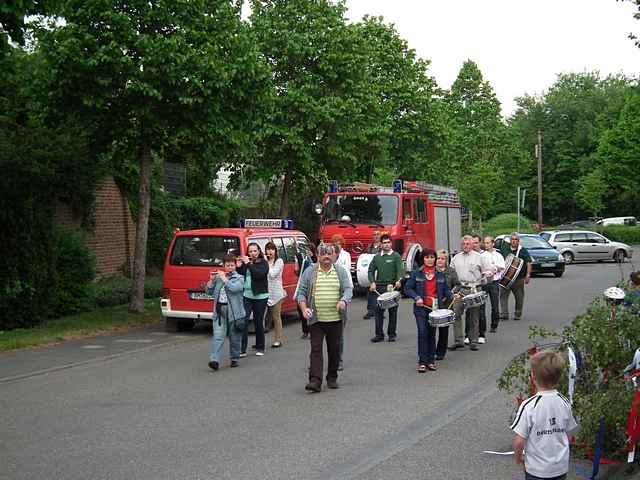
274 277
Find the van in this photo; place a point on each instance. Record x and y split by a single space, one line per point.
628 221
193 254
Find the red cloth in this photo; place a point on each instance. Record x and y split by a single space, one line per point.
430 289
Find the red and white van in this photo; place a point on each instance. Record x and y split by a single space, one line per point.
193 254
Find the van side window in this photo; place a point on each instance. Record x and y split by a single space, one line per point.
290 250
579 237
406 209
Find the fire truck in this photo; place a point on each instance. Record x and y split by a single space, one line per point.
415 214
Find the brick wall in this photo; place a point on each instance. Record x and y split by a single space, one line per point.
113 235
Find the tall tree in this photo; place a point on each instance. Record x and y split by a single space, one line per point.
154 77
318 76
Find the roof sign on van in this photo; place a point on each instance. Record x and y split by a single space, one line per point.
284 223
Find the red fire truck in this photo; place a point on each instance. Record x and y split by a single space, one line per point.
415 214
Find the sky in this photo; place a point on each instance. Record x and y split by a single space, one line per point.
519 45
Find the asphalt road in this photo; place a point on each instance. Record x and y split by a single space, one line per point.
153 410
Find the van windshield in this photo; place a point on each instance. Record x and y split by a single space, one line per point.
369 209
203 251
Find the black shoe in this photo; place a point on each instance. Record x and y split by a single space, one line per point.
367 316
473 347
332 384
493 330
340 366
377 339
457 346
313 387
304 336
504 319
214 365
392 338
439 357
516 319
234 363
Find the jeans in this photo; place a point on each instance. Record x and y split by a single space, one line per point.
332 331
221 329
371 302
492 289
393 316
517 288
258 307
426 336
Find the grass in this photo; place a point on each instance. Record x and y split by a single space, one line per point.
88 324
503 223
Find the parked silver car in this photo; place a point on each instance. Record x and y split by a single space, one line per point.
578 245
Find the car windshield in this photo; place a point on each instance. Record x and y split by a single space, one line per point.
203 251
534 243
370 209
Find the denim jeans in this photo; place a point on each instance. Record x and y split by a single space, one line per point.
393 316
258 307
426 337
371 302
221 329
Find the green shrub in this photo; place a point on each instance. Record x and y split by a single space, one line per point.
187 213
606 348
115 290
506 223
76 269
628 235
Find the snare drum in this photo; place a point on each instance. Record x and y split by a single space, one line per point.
513 266
388 300
474 299
442 317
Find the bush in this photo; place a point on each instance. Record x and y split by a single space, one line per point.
606 349
188 213
628 235
76 269
115 290
506 223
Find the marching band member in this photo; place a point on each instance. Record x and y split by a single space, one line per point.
471 268
517 287
374 248
492 288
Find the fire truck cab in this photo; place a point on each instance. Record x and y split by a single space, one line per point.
415 214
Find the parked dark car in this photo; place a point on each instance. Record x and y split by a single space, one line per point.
545 258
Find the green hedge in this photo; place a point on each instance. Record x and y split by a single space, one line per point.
169 212
503 224
628 235
76 269
115 290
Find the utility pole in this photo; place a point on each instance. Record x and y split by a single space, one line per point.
539 155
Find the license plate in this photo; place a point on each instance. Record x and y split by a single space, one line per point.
547 265
200 296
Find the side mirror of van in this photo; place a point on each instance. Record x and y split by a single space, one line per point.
317 208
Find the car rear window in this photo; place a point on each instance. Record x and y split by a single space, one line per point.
563 237
203 251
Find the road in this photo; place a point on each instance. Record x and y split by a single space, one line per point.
153 410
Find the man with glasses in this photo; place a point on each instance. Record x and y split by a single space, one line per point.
385 271
324 292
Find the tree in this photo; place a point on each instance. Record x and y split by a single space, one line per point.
153 79
590 192
318 76
619 154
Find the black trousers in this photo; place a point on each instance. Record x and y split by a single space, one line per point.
332 332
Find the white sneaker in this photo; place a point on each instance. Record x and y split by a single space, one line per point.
242 355
481 340
259 354
466 341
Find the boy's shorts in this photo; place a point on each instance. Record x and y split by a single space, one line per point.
528 476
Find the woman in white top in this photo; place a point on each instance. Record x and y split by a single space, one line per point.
276 292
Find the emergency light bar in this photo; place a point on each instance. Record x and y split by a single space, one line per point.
284 223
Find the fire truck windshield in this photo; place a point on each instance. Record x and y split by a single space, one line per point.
368 209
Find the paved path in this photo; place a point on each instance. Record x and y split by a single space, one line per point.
160 413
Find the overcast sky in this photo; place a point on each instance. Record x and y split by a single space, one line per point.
520 46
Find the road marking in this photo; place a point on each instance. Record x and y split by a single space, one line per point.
93 347
127 340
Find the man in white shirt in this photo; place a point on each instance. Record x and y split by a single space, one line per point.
471 268
496 261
